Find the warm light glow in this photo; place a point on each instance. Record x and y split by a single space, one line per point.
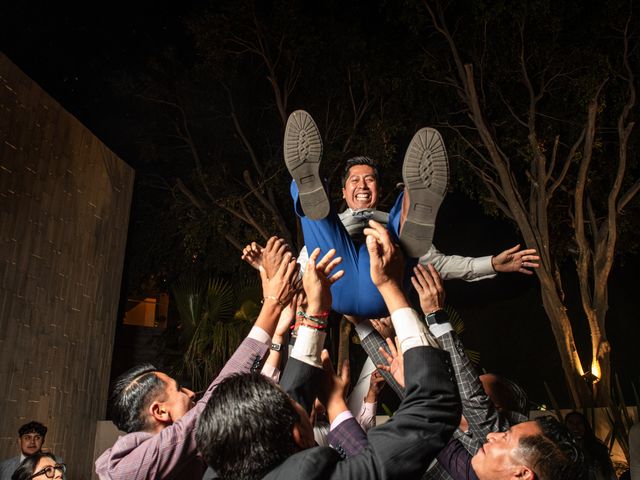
595 370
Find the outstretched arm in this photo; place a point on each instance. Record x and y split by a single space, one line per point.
407 443
471 269
515 260
304 370
477 408
173 450
371 341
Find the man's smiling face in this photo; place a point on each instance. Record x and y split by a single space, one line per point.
361 188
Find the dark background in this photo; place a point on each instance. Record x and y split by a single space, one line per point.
76 54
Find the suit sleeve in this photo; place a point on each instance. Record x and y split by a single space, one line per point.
477 408
300 380
405 445
371 342
456 461
348 438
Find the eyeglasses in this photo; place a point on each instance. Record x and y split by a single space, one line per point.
50 471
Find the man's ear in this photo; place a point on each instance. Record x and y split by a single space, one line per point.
159 413
343 193
523 472
298 438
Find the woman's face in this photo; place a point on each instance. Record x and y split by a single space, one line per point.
43 473
575 424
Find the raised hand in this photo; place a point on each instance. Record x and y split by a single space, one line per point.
288 314
252 254
376 384
386 266
428 284
333 388
383 326
317 280
273 253
386 263
516 260
395 361
280 287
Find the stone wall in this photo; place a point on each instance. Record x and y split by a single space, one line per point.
64 211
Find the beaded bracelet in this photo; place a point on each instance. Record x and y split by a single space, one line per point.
271 297
312 318
317 327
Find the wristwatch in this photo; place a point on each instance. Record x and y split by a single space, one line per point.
438 317
276 347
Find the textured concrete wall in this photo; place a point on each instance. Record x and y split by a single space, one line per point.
64 211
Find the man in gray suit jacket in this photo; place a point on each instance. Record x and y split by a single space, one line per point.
30 439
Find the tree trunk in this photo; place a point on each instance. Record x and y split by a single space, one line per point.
579 390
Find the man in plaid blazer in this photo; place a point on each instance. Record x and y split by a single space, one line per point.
481 414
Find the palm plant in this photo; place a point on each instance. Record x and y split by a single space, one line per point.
458 325
215 317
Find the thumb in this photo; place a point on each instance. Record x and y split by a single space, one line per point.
326 362
345 372
372 246
263 275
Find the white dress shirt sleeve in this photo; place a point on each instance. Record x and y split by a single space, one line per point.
308 347
451 267
411 332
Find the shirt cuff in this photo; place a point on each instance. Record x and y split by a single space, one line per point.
364 328
271 372
410 330
439 329
368 409
483 266
341 417
260 335
309 345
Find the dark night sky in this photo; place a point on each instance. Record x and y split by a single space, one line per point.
72 53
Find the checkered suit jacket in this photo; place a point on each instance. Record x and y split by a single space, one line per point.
477 408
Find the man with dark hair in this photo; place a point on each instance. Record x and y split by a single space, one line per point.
492 407
30 439
251 429
160 416
541 449
411 221
493 410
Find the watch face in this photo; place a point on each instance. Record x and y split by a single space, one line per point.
437 317
276 347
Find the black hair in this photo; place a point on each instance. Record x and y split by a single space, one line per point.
596 453
246 427
131 394
352 162
28 465
553 455
33 427
513 397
